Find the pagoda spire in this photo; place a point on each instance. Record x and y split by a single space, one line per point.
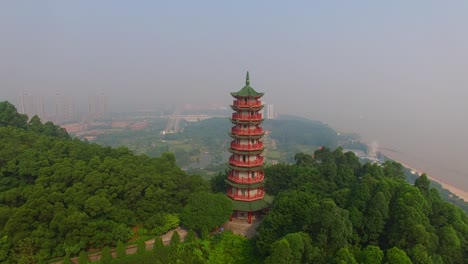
247 79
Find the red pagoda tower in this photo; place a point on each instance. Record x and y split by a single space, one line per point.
246 177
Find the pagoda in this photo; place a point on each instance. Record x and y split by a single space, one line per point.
246 178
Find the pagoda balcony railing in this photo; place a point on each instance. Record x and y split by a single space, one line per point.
239 163
257 179
246 132
247 104
255 117
254 147
244 197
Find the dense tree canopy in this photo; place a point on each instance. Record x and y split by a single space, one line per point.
356 213
60 195
206 210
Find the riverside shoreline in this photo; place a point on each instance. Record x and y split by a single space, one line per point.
457 191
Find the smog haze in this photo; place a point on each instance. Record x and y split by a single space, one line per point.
394 72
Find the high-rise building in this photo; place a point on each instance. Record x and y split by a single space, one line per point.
246 176
269 112
31 105
98 105
64 108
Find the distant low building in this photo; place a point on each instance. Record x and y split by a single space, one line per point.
139 126
75 128
120 124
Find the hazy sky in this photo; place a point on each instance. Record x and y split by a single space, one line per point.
401 65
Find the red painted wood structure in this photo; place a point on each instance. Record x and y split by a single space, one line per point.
246 177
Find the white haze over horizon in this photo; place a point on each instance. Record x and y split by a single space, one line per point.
393 71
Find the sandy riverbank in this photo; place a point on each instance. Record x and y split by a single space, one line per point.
457 191
460 193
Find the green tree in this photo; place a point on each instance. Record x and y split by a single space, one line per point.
229 248
419 255
120 250
397 256
10 117
376 217
106 256
67 260
83 258
302 249
450 245
423 184
343 256
141 246
372 255
204 233
334 227
206 210
190 237
175 239
280 253
5 245
158 244
393 169
303 159
218 183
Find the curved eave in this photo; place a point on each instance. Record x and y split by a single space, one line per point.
237 121
240 108
252 206
248 152
237 95
244 185
237 168
254 169
247 136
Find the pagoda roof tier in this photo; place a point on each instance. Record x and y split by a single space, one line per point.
247 91
240 163
246 180
239 121
246 136
254 169
250 206
247 117
247 104
240 108
247 147
234 167
245 186
247 132
246 152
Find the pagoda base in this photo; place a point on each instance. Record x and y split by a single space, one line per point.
251 210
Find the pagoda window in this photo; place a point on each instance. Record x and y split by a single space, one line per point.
243 158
